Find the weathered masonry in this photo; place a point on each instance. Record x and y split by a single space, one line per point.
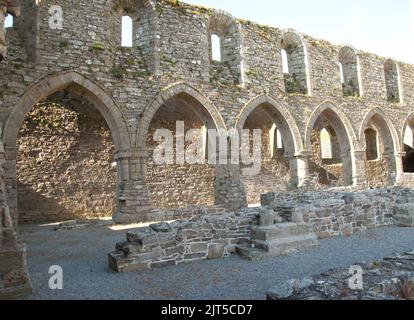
337 117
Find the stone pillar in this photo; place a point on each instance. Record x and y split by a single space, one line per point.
347 168
6 7
229 190
293 168
302 164
14 279
133 199
359 176
399 158
390 159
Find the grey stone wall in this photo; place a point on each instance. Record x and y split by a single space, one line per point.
213 235
65 162
171 55
341 213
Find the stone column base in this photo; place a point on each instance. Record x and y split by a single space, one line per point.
14 279
134 203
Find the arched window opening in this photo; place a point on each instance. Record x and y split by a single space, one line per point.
350 74
294 63
408 160
371 141
341 73
285 62
127 32
8 22
409 137
326 145
216 48
392 81
275 140
279 140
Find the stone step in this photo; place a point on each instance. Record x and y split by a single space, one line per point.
281 230
288 245
284 238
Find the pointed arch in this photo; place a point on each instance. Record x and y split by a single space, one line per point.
386 129
351 71
79 85
344 132
393 81
336 115
207 111
287 121
297 79
408 122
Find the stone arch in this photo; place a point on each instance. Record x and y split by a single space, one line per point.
279 168
344 132
227 28
387 128
209 114
408 122
288 125
297 55
408 149
343 121
352 84
184 183
392 81
78 85
390 144
145 27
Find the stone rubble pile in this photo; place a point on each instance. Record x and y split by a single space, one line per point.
389 279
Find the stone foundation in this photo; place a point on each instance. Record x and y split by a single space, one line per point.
336 213
213 235
286 222
404 215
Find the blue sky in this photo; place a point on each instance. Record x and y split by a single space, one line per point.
384 27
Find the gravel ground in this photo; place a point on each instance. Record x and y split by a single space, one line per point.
83 256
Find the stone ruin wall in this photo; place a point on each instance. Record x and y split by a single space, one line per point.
172 51
175 186
64 163
214 233
272 166
171 56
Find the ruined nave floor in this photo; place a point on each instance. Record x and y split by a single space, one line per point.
83 256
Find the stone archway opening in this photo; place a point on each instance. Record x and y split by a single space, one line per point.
177 185
331 151
88 96
64 166
380 164
408 160
277 150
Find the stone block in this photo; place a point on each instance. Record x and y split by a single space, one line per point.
198 247
215 251
161 227
162 264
